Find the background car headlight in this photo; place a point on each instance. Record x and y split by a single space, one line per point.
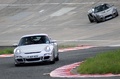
17 51
47 49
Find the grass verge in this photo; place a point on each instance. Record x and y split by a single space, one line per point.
6 51
66 46
107 62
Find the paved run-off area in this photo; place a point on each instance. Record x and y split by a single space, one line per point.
64 20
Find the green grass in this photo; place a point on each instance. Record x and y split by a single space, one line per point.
66 46
107 62
6 51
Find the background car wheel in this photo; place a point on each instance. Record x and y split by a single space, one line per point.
114 15
90 19
117 14
103 19
96 20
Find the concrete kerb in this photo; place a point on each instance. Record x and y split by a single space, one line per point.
6 55
65 71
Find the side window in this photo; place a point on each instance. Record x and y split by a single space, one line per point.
25 41
47 40
44 40
106 6
21 42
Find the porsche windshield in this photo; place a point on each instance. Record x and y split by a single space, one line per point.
33 40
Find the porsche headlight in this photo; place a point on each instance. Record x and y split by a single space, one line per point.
47 49
17 51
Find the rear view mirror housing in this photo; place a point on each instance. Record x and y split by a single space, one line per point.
15 45
53 41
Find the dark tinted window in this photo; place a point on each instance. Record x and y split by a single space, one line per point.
34 40
101 8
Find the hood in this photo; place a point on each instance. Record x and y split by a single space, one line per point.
32 48
105 12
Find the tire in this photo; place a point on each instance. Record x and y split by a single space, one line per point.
53 60
117 14
90 19
16 65
96 20
57 58
103 20
114 15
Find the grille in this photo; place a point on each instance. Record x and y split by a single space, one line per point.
20 60
46 57
33 59
32 52
108 16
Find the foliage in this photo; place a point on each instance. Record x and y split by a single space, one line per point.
107 62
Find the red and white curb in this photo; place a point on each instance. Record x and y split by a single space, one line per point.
65 71
76 48
60 50
6 55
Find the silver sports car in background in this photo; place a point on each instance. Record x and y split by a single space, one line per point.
102 12
36 48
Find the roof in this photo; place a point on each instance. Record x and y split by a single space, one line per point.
101 4
35 35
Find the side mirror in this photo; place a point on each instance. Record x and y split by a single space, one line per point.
15 45
112 5
53 41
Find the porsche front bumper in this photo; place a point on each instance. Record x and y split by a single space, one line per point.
32 59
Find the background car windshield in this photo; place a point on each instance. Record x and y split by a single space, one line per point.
34 40
101 8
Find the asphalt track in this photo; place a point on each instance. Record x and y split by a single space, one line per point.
43 70
65 21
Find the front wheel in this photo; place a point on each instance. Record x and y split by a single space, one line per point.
57 58
53 59
52 62
96 20
117 14
90 19
16 65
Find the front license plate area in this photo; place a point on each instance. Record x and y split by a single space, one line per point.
32 56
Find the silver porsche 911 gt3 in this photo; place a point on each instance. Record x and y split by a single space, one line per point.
102 13
35 48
